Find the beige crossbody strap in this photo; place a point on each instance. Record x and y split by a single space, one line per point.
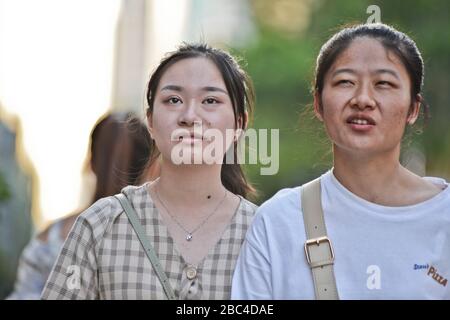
146 244
318 248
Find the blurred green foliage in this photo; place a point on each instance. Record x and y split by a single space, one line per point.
281 64
4 190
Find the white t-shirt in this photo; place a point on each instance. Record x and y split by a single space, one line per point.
381 252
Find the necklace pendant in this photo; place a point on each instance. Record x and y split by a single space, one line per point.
189 237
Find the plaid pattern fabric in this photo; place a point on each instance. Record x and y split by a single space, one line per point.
102 257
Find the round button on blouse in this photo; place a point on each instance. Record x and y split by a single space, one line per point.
191 272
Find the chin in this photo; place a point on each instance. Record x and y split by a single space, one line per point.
357 148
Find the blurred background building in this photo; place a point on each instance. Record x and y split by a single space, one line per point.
63 63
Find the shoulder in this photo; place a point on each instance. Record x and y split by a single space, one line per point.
247 207
102 211
245 212
106 210
43 235
280 213
442 198
439 183
284 202
98 219
38 255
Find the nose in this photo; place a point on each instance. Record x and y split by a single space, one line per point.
363 98
189 116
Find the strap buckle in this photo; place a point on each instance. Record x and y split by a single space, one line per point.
318 241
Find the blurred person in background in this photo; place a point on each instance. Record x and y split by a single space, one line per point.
119 152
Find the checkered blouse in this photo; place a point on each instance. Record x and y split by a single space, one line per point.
102 257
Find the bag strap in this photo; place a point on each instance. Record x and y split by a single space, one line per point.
318 249
145 242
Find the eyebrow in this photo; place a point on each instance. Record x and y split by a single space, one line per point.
378 71
172 87
389 71
344 70
207 88
213 89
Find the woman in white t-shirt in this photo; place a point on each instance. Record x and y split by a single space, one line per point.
390 229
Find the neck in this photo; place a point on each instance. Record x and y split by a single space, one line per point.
190 185
375 178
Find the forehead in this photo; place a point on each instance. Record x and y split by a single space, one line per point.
368 54
193 72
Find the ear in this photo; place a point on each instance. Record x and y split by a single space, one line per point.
150 123
414 112
318 111
242 123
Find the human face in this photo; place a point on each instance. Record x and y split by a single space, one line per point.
191 99
366 99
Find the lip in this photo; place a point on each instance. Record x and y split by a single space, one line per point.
191 138
361 127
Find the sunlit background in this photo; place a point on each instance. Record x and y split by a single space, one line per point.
56 70
64 63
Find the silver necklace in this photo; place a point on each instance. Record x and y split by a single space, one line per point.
190 233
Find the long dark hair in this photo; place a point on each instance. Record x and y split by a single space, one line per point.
240 90
393 40
119 152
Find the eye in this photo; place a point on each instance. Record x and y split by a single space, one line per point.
211 101
173 100
385 84
344 82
